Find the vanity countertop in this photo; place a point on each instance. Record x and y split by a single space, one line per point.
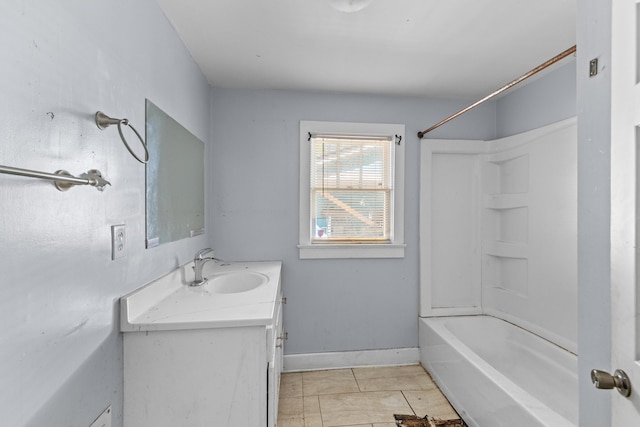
168 303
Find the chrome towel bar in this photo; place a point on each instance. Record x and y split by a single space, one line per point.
62 179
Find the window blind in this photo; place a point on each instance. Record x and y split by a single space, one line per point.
351 189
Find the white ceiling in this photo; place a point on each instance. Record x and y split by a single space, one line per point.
435 48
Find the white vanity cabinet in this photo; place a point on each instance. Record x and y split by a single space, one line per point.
212 371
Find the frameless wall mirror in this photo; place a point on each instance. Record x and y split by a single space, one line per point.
175 180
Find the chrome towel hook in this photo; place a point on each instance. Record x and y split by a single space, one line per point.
103 121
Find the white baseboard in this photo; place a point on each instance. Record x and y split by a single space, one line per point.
351 359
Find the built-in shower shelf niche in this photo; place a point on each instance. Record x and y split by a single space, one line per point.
507 224
507 172
505 219
505 201
505 249
506 274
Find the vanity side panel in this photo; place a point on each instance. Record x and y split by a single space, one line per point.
194 378
275 341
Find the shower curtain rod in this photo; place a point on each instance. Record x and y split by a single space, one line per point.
502 89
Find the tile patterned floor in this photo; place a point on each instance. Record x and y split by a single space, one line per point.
359 397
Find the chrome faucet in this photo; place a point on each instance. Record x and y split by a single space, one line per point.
200 258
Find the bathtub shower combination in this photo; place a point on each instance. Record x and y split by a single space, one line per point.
498 308
498 374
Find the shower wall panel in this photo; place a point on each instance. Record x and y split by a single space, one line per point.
449 214
529 240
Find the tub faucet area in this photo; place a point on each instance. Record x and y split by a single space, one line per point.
200 258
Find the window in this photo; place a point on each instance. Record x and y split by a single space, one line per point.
351 190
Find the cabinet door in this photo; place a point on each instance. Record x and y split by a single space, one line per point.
207 376
275 352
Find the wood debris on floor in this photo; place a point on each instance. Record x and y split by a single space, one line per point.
426 421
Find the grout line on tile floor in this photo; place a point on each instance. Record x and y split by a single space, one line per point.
408 403
355 379
312 414
304 412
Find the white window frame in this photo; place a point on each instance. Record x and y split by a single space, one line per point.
310 250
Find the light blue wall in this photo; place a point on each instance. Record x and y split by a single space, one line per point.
333 305
61 352
543 101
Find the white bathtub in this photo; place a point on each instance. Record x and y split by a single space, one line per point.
497 374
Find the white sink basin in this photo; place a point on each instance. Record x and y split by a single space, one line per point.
234 282
236 294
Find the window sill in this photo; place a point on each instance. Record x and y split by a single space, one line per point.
351 251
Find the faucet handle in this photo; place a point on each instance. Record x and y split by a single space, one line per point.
202 252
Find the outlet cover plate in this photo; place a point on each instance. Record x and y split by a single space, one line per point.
118 241
104 420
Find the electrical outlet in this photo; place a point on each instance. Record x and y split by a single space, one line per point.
118 241
104 420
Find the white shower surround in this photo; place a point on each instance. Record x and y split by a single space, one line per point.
498 228
499 237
